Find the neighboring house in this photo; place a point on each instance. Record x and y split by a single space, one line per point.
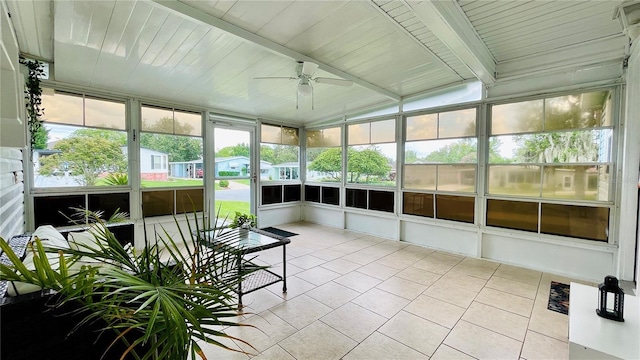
313 175
233 166
284 171
186 169
153 164
40 154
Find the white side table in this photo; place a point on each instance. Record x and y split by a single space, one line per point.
593 337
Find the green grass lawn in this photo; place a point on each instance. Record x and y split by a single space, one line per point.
174 182
229 208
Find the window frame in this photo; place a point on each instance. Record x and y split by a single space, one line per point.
346 146
93 95
299 146
164 159
341 147
407 191
176 207
540 201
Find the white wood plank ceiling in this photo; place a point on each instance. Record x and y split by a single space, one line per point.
207 53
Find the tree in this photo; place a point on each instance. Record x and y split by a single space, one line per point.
167 126
312 153
118 137
573 142
278 154
410 156
328 161
464 151
367 162
40 138
86 154
461 151
235 150
179 148
494 152
564 113
266 154
559 147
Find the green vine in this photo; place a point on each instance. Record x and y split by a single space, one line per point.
33 96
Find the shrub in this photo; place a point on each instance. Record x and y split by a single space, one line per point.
224 183
116 179
228 173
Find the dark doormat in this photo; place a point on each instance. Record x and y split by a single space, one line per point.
559 298
279 232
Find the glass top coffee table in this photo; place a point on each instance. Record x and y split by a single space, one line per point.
249 241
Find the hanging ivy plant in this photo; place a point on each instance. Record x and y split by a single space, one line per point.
33 97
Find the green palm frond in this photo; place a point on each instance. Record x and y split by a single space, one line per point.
165 297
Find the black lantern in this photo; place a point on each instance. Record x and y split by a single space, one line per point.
611 302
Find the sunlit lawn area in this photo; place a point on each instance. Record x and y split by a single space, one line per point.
164 183
228 208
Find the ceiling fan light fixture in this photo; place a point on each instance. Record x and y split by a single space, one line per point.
304 88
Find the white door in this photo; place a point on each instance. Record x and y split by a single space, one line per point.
234 172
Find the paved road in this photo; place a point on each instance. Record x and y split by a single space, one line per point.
231 194
57 181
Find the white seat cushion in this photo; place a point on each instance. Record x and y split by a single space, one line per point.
84 241
51 237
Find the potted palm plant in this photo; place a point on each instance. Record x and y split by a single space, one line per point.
245 221
162 301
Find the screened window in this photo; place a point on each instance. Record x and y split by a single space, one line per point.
441 151
441 155
279 153
324 155
170 148
83 142
557 148
371 154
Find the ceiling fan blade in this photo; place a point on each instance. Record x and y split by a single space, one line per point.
339 82
308 68
275 77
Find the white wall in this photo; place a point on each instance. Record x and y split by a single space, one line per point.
12 208
12 133
630 181
383 225
329 216
455 240
564 257
280 214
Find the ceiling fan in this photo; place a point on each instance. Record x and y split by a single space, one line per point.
305 71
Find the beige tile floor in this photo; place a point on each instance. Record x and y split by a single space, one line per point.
353 296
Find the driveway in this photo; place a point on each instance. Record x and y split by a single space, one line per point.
235 192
